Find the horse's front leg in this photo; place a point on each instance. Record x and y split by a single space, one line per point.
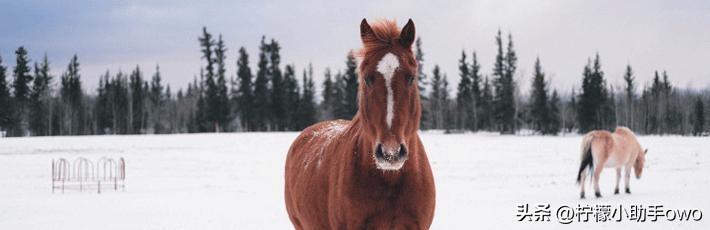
597 173
627 176
618 178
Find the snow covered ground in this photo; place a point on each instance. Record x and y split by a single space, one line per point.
235 181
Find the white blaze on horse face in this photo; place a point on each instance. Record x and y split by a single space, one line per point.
387 66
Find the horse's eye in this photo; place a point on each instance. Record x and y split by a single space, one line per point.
409 78
369 79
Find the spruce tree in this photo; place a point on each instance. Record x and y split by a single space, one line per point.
307 105
593 107
5 102
422 84
137 101
351 87
245 97
39 99
554 124
699 118
338 100
208 110
487 117
262 93
221 104
630 91
438 99
504 100
291 99
104 118
464 96
539 110
476 91
71 94
278 89
21 85
157 100
447 113
327 93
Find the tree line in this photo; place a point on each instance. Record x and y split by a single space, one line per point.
276 98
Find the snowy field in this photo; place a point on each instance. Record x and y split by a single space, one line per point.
235 181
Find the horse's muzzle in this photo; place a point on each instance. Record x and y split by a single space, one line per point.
390 158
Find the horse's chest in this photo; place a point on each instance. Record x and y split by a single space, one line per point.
380 207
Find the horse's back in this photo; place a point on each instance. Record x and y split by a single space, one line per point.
614 149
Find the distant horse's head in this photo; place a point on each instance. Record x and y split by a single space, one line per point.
388 95
638 165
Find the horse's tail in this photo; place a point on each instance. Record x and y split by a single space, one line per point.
587 160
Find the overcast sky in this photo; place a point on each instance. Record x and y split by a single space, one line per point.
113 35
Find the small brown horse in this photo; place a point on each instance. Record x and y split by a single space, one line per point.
371 172
602 149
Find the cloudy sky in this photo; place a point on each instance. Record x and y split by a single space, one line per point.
118 35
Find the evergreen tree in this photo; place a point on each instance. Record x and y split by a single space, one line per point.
630 96
699 124
39 99
554 124
464 96
221 104
539 110
594 111
572 118
71 93
5 102
262 93
422 84
21 85
438 97
328 93
278 89
447 111
103 111
476 91
245 95
157 100
487 117
137 101
208 111
504 99
307 104
291 99
350 88
120 102
201 123
338 100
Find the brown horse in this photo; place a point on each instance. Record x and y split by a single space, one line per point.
371 172
602 149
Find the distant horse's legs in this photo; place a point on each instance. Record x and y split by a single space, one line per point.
581 183
627 172
597 173
618 178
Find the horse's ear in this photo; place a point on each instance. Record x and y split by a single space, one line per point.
406 37
366 33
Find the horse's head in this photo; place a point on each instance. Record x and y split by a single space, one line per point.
638 165
388 95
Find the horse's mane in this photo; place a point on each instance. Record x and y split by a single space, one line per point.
386 32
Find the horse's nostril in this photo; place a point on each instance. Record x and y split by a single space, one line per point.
378 151
402 150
